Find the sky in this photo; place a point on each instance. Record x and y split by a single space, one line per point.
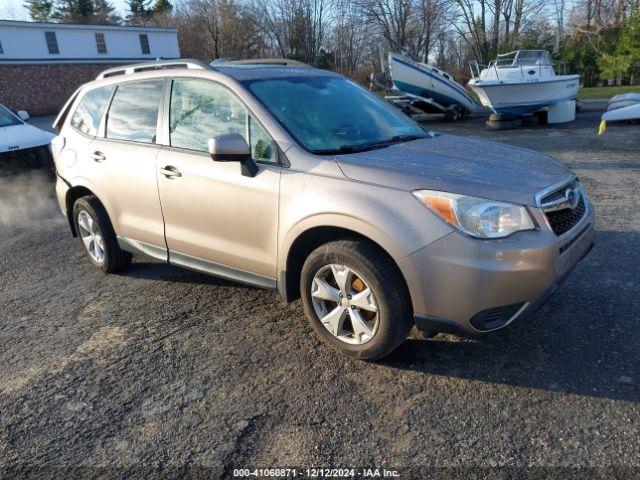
14 9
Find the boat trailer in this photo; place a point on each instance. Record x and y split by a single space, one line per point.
417 107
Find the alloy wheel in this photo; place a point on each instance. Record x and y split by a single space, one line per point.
91 236
345 304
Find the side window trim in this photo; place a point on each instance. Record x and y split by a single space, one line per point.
102 128
281 160
164 135
102 131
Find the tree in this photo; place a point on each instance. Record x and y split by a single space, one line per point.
40 10
559 12
161 7
139 11
294 28
626 53
471 24
104 13
74 11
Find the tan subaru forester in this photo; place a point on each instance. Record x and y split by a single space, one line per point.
299 179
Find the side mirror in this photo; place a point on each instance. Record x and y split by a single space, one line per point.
232 147
23 115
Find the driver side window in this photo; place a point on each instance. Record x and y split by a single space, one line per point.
201 109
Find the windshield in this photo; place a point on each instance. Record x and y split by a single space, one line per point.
328 114
533 57
7 118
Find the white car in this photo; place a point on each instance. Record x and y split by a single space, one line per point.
22 146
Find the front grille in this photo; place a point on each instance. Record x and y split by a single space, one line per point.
564 207
562 221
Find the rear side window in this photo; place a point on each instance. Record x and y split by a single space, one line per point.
133 114
87 116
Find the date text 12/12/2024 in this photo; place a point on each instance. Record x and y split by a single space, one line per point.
315 473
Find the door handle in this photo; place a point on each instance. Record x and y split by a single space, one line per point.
170 172
97 156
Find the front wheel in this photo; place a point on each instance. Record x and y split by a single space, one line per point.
355 298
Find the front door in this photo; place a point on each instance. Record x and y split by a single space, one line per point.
216 219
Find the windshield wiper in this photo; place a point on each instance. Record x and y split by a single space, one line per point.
368 146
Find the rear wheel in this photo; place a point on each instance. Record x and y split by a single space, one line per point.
98 238
355 299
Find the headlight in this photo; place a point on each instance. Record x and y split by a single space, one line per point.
477 217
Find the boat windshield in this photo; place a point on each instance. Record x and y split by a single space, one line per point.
7 118
523 58
533 57
332 115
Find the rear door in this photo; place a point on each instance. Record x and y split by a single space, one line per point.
216 219
124 165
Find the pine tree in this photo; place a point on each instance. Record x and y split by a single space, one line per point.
75 11
626 53
139 11
103 13
40 10
162 6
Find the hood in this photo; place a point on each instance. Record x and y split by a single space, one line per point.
18 137
457 165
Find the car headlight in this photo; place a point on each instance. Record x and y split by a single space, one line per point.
477 217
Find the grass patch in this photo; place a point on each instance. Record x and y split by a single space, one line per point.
597 93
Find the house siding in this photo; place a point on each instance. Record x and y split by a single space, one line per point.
34 79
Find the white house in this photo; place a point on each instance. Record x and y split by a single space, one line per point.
41 64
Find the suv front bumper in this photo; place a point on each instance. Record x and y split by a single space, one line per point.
462 284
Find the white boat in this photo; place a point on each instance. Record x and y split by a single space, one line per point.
623 100
618 115
429 82
522 82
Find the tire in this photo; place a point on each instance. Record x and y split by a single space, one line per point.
453 115
113 258
371 268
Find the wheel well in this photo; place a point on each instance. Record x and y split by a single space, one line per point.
72 195
308 242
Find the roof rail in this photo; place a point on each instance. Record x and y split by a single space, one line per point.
156 65
283 62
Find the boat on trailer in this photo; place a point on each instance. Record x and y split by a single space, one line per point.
521 83
430 83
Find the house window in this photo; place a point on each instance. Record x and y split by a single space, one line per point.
52 42
100 43
144 44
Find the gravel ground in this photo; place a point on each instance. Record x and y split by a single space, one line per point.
161 371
